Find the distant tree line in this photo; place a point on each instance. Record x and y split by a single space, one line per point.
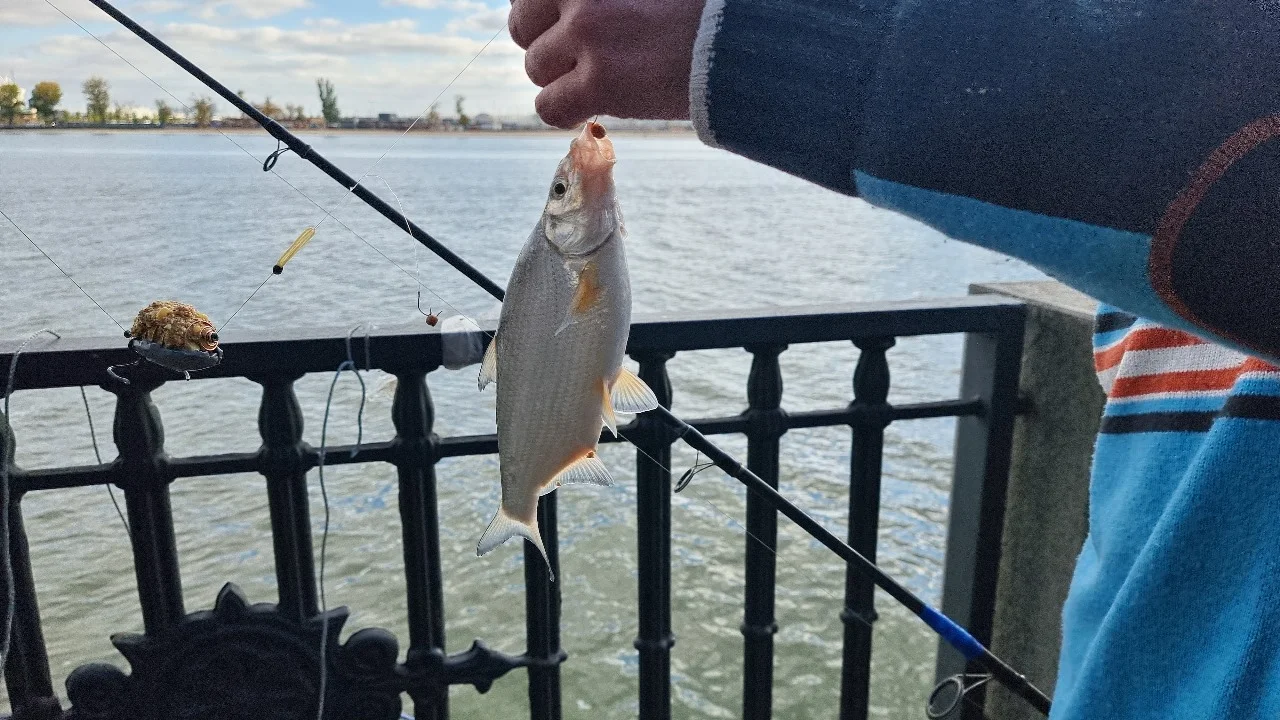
98 109
47 95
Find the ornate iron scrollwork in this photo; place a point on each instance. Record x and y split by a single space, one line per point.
241 662
255 662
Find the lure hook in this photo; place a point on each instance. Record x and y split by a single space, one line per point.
948 694
431 316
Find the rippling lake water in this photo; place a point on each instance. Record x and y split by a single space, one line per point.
138 217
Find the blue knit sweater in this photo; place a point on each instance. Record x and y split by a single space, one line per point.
1126 148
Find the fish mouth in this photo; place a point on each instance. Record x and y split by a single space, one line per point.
592 151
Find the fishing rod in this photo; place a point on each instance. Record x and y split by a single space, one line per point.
304 151
950 631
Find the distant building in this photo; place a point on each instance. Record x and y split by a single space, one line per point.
485 121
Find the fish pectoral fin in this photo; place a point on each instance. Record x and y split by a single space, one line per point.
606 409
586 294
503 527
630 394
586 470
489 366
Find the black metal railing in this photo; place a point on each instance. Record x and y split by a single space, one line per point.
179 667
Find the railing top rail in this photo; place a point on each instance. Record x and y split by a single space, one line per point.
75 361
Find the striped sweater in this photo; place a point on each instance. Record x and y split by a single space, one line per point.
1127 148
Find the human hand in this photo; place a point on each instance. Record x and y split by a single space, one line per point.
626 58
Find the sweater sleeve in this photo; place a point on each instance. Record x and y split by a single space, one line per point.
1122 146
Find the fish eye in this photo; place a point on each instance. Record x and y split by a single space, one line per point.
559 189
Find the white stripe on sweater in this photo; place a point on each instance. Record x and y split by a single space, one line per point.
1186 358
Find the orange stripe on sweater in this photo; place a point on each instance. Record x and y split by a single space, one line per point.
1252 364
1190 381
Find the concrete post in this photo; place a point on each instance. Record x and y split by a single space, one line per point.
1046 516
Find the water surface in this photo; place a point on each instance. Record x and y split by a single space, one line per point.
139 217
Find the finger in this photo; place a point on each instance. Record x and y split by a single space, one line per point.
550 56
530 18
572 98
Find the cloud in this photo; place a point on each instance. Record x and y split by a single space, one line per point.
255 9
155 7
29 14
486 20
461 5
394 66
386 38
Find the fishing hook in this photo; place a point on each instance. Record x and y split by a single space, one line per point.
112 370
948 694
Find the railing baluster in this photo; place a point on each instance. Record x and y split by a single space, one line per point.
413 414
144 474
766 418
870 392
542 616
31 694
283 465
653 521
27 668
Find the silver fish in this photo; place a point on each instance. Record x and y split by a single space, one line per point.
557 354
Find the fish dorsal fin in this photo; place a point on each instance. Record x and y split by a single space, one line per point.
586 470
630 394
606 409
489 366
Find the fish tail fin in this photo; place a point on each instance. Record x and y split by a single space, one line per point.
503 527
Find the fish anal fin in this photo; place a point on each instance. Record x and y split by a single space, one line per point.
630 394
606 409
489 366
586 470
503 527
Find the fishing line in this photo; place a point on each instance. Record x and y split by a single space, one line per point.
348 364
88 415
64 272
417 254
94 438
963 693
416 120
417 263
269 165
6 562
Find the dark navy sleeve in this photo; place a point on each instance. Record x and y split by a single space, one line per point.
1122 146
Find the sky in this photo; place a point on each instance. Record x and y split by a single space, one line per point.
381 55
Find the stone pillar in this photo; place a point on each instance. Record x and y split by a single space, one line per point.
1046 516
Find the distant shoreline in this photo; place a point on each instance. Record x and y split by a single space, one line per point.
182 130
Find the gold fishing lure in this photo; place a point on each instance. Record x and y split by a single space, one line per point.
172 335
